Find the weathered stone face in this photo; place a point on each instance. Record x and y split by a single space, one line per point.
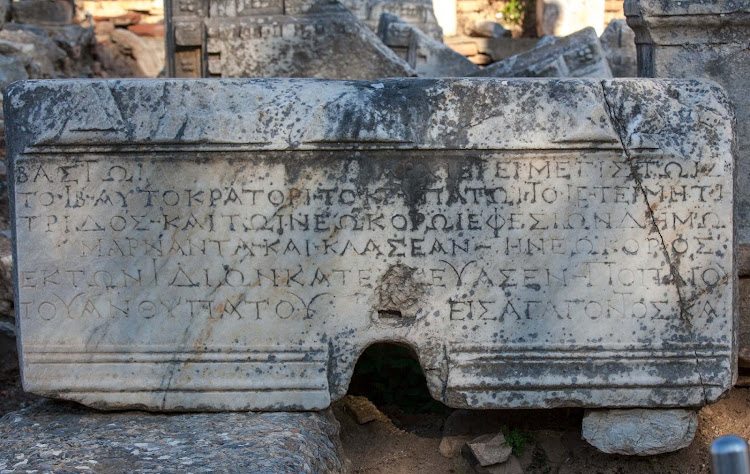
283 38
237 244
709 40
577 55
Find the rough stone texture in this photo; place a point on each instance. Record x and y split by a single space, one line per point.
577 55
42 12
284 38
639 432
419 13
703 39
426 56
618 43
42 58
565 17
228 245
490 449
60 437
49 52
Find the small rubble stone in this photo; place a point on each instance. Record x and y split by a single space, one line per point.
361 409
426 56
490 449
639 432
618 44
53 436
488 29
462 426
577 55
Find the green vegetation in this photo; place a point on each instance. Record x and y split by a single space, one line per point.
513 11
518 441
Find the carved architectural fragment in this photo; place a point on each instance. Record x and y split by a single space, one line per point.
234 245
274 38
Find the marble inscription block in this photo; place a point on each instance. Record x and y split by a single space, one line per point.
236 244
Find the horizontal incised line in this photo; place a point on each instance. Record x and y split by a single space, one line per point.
156 349
86 391
322 146
563 348
187 360
586 386
628 361
524 356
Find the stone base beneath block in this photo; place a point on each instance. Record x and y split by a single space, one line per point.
57 436
639 432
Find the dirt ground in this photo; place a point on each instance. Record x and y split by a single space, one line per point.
408 444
